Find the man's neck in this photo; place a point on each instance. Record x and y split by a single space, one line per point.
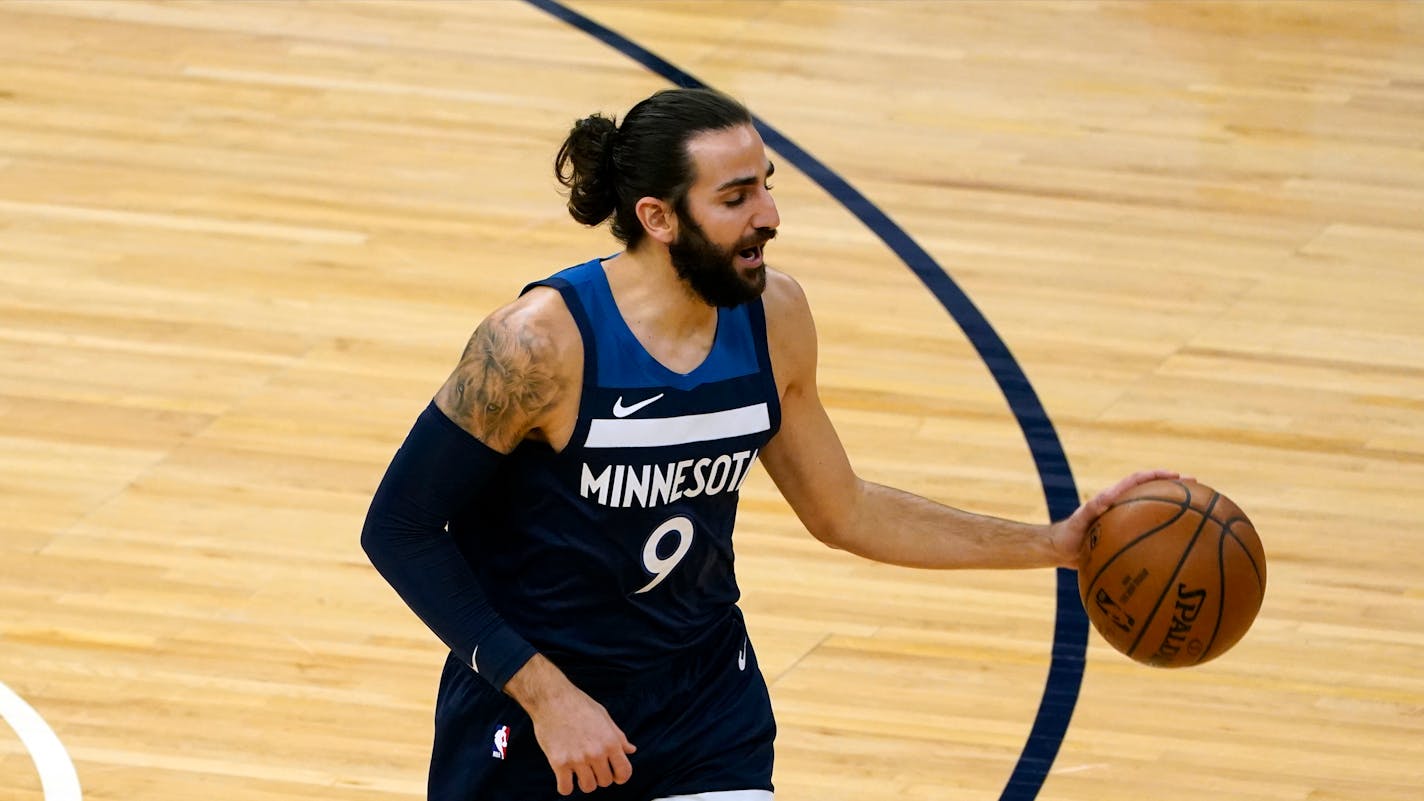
654 301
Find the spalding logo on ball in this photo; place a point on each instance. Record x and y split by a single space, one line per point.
1173 573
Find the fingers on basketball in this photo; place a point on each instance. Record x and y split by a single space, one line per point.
1173 573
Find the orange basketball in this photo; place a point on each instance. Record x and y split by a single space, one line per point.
1173 573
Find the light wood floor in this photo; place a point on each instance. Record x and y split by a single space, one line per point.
241 244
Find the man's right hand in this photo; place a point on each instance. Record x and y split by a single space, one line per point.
580 740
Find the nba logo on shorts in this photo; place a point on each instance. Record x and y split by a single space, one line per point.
501 742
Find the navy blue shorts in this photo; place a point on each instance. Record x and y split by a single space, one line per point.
704 727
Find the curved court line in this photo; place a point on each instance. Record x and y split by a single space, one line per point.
1070 630
57 775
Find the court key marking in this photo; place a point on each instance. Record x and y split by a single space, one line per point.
57 776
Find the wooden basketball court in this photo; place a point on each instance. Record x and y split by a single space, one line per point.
242 243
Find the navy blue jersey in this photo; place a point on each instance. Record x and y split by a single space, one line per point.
614 555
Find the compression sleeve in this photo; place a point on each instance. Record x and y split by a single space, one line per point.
436 472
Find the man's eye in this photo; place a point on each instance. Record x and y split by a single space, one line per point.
736 201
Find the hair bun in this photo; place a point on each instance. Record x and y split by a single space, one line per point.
585 165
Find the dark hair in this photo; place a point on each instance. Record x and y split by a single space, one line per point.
608 167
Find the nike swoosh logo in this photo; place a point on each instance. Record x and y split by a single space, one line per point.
474 665
742 657
619 410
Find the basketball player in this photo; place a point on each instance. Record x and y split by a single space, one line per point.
561 513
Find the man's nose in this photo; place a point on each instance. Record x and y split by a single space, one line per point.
766 216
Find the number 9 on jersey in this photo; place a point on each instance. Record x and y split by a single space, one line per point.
659 566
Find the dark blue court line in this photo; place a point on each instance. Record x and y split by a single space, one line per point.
1070 631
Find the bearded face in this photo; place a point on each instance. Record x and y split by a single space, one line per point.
724 277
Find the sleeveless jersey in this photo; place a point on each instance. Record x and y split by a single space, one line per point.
614 556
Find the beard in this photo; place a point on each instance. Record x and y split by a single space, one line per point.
711 271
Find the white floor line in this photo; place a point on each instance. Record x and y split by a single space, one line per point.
57 775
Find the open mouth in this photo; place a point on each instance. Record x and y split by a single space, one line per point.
751 257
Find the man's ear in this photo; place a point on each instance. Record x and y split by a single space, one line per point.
658 219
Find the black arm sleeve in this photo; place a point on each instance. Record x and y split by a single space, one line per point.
438 469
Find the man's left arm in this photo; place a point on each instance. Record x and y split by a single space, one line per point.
809 465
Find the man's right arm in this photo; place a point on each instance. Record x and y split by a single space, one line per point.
517 379
502 385
515 375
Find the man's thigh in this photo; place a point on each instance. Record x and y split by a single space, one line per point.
714 738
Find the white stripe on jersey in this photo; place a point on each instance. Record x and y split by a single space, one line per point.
659 431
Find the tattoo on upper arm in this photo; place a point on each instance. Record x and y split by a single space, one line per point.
506 378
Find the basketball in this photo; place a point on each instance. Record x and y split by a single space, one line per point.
1173 573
